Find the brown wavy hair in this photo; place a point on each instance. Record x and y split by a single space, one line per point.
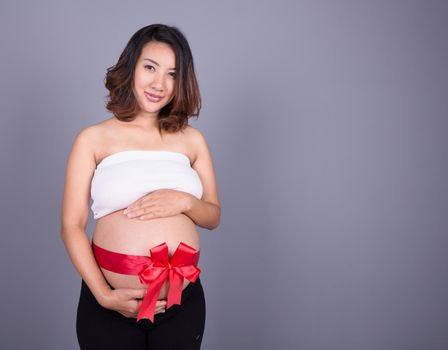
121 101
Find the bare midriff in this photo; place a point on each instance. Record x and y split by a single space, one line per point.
118 233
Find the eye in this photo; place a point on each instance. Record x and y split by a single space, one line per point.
173 75
148 66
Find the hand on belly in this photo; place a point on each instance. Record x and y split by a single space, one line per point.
117 280
161 203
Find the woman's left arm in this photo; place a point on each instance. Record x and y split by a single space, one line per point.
205 212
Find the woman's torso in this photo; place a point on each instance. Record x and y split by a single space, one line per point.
117 232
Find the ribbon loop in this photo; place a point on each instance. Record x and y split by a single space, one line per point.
183 264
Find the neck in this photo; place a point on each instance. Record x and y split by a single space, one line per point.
147 121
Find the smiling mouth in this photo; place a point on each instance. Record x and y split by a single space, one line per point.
152 97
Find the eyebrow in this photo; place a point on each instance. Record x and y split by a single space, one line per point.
148 59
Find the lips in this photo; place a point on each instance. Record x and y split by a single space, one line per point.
152 97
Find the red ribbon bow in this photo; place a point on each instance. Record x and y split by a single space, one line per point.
181 265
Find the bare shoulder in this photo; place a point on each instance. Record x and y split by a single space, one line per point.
91 137
203 164
91 131
196 139
86 135
82 154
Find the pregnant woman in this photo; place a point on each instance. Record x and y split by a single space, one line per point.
151 180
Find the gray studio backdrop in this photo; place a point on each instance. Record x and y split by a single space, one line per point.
327 122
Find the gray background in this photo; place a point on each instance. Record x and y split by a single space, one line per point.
327 123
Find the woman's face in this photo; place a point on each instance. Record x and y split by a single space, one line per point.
155 75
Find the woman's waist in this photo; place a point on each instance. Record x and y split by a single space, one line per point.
154 269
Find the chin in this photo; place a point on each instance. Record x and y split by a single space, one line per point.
152 109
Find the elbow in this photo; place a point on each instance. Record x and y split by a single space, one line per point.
64 231
63 234
217 220
213 227
70 230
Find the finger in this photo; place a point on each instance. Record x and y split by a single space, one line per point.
145 200
151 214
136 293
160 310
160 303
146 210
136 307
141 203
133 207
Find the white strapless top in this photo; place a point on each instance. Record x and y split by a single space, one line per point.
123 177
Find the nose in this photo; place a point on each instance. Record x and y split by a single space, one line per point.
157 82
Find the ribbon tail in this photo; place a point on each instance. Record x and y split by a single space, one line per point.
175 290
149 301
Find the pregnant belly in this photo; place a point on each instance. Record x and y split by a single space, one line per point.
118 233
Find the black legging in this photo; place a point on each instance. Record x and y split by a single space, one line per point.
179 327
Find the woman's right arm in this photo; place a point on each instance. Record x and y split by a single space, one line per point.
75 214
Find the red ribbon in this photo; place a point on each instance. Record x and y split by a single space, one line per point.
154 270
